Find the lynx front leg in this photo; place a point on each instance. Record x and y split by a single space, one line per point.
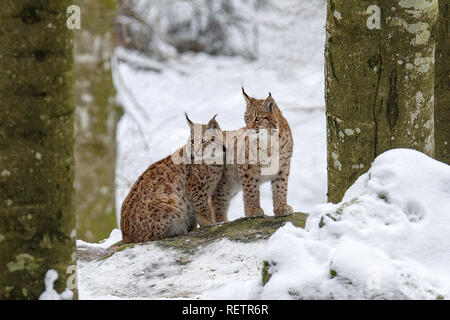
220 200
250 178
201 207
203 213
279 193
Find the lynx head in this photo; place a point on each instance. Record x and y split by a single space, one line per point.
261 113
206 140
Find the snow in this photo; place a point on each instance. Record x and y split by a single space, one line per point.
114 237
387 239
50 293
151 272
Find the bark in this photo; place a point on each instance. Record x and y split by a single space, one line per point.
96 121
379 84
442 86
37 219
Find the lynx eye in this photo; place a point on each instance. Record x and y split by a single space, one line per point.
257 119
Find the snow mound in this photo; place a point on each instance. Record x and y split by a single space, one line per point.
114 237
387 239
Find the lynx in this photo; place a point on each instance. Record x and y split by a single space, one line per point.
260 114
171 197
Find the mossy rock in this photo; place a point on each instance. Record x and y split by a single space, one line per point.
241 230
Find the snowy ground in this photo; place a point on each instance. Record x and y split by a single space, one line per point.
150 272
387 239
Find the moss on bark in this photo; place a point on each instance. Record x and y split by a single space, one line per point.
96 121
442 86
37 220
379 84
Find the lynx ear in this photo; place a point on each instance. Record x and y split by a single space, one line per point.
269 103
246 97
213 124
190 123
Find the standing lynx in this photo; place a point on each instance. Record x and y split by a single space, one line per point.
171 197
260 114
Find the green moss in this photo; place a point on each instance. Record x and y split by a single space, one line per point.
240 230
36 143
333 273
386 92
442 85
265 273
116 248
382 196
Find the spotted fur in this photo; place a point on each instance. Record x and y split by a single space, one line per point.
169 198
260 114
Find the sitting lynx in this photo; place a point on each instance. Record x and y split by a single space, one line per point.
170 198
260 114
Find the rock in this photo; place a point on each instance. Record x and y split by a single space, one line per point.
241 230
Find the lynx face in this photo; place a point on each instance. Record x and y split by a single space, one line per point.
206 141
260 113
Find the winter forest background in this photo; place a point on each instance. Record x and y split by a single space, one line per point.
198 55
85 110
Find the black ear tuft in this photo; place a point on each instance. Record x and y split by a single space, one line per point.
190 123
246 97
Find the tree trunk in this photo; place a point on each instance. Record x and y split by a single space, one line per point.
96 121
379 83
442 86
37 220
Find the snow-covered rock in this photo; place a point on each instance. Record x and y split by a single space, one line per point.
188 266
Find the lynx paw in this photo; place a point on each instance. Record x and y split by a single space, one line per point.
283 211
204 221
254 212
